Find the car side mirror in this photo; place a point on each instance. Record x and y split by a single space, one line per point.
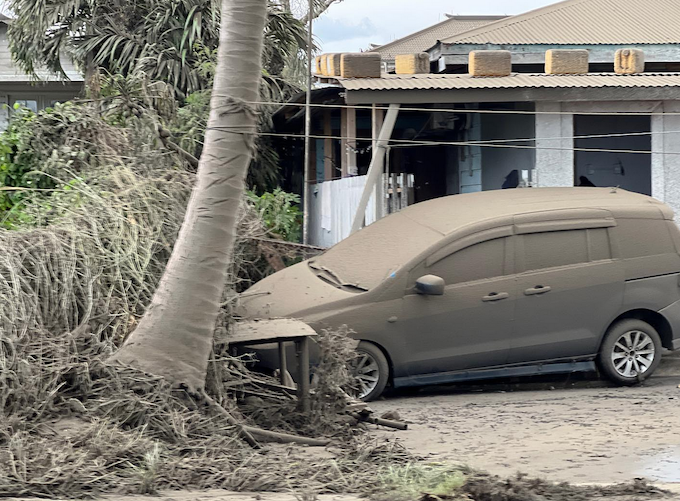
430 285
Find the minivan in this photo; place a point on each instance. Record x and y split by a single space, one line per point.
493 284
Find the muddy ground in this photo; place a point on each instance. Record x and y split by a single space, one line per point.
578 431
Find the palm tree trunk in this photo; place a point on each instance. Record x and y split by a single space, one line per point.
174 338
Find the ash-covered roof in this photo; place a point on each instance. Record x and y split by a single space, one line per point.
422 40
584 22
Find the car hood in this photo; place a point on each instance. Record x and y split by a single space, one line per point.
293 292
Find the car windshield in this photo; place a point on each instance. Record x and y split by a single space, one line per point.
365 259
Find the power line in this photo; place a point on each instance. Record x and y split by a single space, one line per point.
471 111
517 140
557 138
410 142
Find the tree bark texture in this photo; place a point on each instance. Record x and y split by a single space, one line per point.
174 338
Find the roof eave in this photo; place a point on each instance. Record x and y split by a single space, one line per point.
454 96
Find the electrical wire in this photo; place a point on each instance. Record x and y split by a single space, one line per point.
473 111
558 138
414 143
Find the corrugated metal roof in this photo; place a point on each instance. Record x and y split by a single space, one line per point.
514 81
584 22
427 38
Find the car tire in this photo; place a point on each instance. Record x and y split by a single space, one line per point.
631 352
372 371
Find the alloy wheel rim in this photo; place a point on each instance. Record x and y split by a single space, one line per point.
365 369
633 354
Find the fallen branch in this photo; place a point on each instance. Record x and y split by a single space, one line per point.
367 418
292 392
242 430
193 161
285 438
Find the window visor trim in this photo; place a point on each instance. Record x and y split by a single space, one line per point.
476 238
570 224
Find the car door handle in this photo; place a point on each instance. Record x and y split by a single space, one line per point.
539 289
495 296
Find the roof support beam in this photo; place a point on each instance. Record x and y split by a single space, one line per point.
499 95
377 165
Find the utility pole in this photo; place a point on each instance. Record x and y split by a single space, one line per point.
308 128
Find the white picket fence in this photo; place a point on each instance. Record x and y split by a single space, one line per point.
333 205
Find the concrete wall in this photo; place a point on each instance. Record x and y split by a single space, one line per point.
555 167
666 155
497 163
555 132
554 146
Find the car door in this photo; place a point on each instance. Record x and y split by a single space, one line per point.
568 291
469 326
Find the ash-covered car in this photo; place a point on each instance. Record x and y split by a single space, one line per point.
494 284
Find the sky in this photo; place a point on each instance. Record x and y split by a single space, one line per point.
352 25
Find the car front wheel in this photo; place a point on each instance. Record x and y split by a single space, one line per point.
371 371
631 351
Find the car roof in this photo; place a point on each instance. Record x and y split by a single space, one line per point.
447 214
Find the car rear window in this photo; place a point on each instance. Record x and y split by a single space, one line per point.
598 244
644 237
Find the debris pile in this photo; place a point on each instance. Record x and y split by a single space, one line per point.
74 426
74 280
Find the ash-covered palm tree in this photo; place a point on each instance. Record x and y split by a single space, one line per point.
174 338
167 40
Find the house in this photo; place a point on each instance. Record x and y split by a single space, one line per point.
598 26
542 104
16 87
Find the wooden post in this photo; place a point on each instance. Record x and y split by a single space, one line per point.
377 117
344 134
375 170
283 363
351 154
394 205
302 348
328 147
308 127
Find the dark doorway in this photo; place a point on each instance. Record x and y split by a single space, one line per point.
427 164
630 171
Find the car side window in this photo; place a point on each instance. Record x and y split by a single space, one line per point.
476 262
555 248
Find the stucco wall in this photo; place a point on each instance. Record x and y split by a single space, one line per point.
666 155
554 146
555 167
